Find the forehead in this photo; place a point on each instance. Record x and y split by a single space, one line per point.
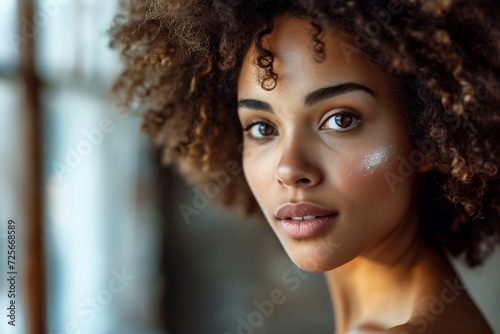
292 46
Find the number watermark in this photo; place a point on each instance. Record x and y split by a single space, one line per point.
11 272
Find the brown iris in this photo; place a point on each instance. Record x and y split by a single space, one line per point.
265 129
343 121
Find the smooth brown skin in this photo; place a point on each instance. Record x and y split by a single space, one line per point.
382 276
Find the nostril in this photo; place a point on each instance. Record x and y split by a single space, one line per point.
304 180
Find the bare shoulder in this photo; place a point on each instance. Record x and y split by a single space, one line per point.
439 328
435 316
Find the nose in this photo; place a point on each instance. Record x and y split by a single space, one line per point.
297 166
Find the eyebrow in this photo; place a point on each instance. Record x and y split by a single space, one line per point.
255 104
312 98
328 92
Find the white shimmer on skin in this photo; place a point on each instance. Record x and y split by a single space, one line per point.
377 159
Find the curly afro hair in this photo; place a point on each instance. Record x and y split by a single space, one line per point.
181 64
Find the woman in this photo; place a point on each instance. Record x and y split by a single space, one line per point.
366 131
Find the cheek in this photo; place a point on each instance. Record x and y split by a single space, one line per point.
377 160
367 177
256 174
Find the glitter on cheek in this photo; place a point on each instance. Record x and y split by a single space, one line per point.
377 159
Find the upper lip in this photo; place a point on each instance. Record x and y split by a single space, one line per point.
302 209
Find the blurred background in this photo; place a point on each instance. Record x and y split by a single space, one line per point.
101 245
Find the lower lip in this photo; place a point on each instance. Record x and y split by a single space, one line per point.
303 229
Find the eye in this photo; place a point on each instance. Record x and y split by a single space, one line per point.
343 121
260 130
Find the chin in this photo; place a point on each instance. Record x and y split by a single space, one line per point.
319 256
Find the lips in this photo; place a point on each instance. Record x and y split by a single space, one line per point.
302 210
304 220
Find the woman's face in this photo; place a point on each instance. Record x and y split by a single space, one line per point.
326 151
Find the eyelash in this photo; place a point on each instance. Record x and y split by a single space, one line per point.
249 127
355 115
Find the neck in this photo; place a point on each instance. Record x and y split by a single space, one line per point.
379 288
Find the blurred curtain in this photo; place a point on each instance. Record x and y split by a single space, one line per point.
100 238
